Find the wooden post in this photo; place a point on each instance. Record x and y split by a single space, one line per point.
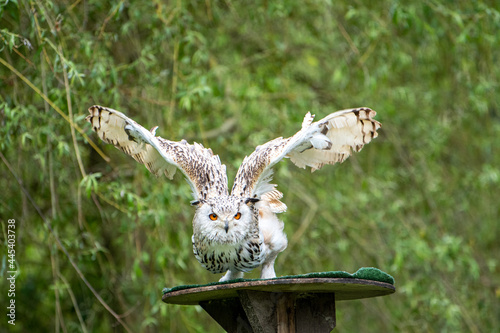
278 305
267 312
315 313
260 307
229 314
285 313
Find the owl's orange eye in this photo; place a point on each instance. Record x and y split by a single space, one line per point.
213 216
237 216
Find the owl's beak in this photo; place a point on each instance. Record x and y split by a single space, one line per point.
226 226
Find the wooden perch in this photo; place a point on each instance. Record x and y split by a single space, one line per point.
277 305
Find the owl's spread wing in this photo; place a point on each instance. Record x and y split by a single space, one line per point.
327 141
203 170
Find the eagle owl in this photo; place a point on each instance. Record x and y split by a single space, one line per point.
238 231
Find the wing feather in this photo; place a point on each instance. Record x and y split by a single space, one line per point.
327 141
203 170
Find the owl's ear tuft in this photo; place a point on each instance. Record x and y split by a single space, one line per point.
251 201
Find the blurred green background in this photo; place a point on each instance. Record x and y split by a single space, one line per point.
421 202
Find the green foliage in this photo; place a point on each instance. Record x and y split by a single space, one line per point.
420 202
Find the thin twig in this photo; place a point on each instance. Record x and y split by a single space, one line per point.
62 247
58 313
367 54
75 144
15 47
129 311
71 123
75 303
174 85
106 20
70 8
53 192
43 10
347 38
209 10
159 12
56 108
40 38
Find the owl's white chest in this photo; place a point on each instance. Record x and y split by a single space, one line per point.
219 258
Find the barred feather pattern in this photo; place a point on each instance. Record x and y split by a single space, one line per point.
203 170
238 232
347 130
328 141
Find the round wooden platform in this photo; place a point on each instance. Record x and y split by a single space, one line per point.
344 289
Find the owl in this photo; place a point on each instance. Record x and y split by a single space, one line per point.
236 232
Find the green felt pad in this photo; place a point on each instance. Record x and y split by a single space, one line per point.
365 273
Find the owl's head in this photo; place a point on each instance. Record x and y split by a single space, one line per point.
226 219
